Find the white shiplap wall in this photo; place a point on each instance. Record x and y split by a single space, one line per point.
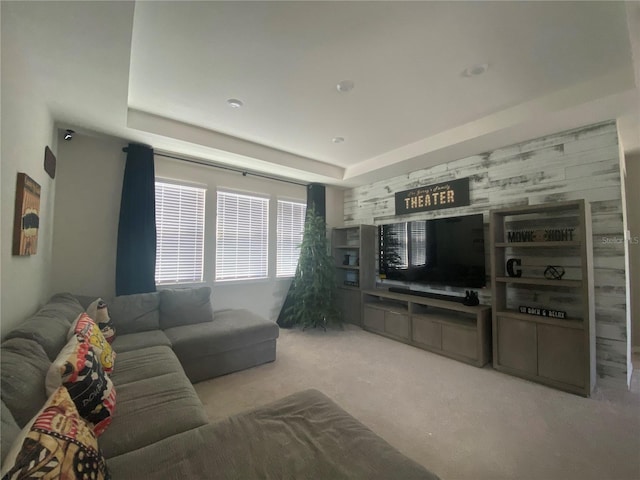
582 163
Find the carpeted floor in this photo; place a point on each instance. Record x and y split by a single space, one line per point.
460 421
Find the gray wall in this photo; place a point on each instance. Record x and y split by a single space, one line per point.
583 163
27 128
633 224
89 185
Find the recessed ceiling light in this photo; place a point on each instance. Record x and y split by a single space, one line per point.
475 70
235 103
337 139
345 86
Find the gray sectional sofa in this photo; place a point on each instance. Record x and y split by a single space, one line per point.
160 429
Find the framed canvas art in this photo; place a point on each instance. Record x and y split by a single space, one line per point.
27 216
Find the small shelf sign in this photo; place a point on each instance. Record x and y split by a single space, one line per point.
454 193
543 312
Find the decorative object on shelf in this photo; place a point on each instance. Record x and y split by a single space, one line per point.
353 261
454 193
510 267
49 162
546 235
543 312
554 272
471 298
313 290
346 259
26 221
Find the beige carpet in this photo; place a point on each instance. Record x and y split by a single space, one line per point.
460 421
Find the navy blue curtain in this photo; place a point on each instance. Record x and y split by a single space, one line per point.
136 257
316 199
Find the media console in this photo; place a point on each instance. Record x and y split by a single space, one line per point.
442 326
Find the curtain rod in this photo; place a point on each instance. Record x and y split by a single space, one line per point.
222 167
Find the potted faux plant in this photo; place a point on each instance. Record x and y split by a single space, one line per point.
312 298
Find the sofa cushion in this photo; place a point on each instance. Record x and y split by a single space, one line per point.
9 430
49 326
145 363
135 313
231 329
185 306
79 370
57 444
24 366
136 341
150 410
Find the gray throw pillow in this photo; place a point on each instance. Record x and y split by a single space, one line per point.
185 307
135 313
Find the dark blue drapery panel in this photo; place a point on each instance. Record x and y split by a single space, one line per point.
136 257
316 199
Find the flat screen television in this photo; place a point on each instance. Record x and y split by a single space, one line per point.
441 251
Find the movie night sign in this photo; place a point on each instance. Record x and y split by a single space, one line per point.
454 193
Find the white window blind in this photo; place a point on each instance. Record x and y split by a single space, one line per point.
242 236
180 233
290 229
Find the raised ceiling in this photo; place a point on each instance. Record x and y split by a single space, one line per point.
161 72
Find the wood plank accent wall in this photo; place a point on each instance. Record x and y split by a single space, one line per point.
582 163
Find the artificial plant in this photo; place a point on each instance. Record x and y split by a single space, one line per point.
312 297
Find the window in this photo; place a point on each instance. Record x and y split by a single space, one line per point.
242 237
180 233
290 228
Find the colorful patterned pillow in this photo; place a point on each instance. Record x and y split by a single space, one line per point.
84 327
100 314
79 370
57 444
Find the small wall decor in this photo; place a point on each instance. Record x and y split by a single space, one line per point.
554 272
454 193
547 235
49 162
27 216
511 271
543 312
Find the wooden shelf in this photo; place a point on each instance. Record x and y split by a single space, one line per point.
540 281
357 241
570 323
449 328
569 243
556 352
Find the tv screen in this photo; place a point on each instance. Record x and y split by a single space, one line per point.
443 251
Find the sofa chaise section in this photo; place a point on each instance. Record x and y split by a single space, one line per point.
302 436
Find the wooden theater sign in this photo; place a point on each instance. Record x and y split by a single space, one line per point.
454 193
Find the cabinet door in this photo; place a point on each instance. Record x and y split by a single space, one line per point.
517 345
460 340
373 318
426 332
349 303
396 324
561 354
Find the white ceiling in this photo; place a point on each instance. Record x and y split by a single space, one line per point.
161 72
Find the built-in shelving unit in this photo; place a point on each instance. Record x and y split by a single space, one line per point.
446 327
556 351
353 249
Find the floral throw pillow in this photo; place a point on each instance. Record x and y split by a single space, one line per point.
57 444
85 328
79 370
